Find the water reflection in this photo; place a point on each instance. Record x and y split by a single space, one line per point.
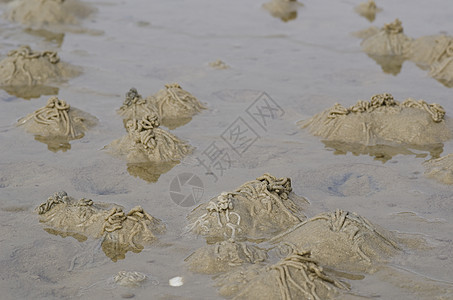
382 152
390 64
48 36
285 10
79 237
390 47
116 250
113 249
54 144
150 171
29 92
173 123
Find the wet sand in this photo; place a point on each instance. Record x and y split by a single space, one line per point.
304 65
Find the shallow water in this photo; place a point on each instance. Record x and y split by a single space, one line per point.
303 65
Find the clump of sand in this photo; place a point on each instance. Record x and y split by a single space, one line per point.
145 142
47 13
307 260
255 211
285 10
219 65
342 240
436 54
130 278
260 245
224 256
136 107
383 121
440 169
389 40
296 276
233 221
175 105
120 232
368 10
388 46
57 122
25 68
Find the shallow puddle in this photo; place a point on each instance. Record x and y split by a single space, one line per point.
282 68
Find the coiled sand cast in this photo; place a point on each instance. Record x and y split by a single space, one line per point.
135 107
390 47
30 74
120 232
289 261
383 121
57 123
149 150
47 13
146 142
255 211
173 106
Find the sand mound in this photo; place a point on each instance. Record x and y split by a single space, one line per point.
58 119
130 278
135 107
175 106
285 10
389 40
44 13
120 232
382 121
440 169
296 276
341 240
146 142
57 123
257 210
428 49
25 67
219 65
224 256
435 53
368 10
387 46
